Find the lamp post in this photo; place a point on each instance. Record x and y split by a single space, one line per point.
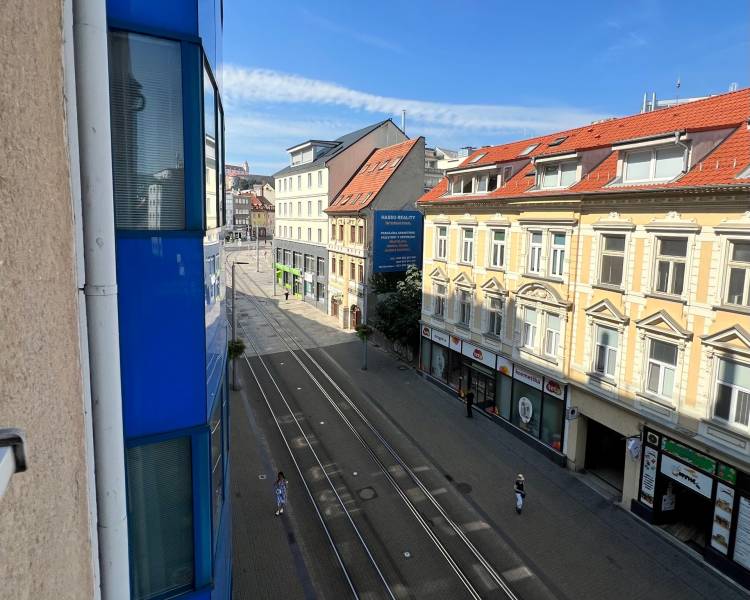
364 323
234 324
257 249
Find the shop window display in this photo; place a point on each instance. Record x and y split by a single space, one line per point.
526 408
439 363
552 422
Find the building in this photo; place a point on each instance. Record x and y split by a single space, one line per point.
592 287
436 161
390 179
317 172
121 385
259 212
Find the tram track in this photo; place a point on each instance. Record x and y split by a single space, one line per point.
386 458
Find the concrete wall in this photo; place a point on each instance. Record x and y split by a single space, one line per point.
44 527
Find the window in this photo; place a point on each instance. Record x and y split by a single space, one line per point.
217 465
464 307
497 252
352 269
309 208
299 233
439 293
528 149
535 252
552 335
654 164
361 234
320 178
670 265
733 393
160 518
605 354
557 258
466 186
341 267
352 234
467 245
481 183
147 132
299 209
477 158
341 233
507 174
613 259
561 175
320 207
309 180
495 308
309 234
738 287
361 273
321 267
333 266
333 231
529 327
662 361
442 242
320 235
457 185
299 182
493 182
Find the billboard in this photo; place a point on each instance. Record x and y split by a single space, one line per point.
397 240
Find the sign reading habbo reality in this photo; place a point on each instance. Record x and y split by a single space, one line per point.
397 241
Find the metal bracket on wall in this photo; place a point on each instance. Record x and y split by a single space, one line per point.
12 455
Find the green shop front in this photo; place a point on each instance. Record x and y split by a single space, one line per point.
289 278
699 499
530 403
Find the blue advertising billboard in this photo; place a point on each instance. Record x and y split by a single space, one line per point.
397 241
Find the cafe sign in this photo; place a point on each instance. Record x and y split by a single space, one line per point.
554 388
687 476
426 331
483 356
688 455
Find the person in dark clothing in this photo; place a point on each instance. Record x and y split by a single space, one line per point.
519 487
286 294
469 402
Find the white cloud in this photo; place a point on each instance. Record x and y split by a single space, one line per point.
244 87
362 37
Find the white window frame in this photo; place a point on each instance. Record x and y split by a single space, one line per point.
439 300
495 314
603 251
662 367
467 246
558 180
735 390
732 264
529 331
610 363
551 336
557 254
464 314
497 248
652 164
535 252
658 257
441 243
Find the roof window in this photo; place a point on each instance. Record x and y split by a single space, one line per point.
560 175
395 161
383 165
477 158
654 164
366 198
528 149
557 141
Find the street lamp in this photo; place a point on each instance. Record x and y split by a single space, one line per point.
234 323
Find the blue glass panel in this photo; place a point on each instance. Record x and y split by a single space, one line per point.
179 16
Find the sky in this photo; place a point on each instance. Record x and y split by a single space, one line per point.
468 72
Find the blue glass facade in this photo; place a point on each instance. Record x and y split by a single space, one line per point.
173 329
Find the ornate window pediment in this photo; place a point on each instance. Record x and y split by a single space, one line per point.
673 221
540 292
661 323
606 311
437 274
735 340
464 281
493 287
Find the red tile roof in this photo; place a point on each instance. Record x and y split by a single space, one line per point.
256 202
373 174
720 167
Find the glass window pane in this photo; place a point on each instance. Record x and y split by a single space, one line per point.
558 239
160 517
553 322
736 286
552 422
611 361
568 174
147 144
669 162
638 166
525 409
723 401
530 316
734 373
536 238
606 336
504 395
673 247
468 234
668 382
549 177
209 124
741 251
663 352
652 382
614 243
217 467
499 235
612 269
662 276
482 183
678 277
742 408
601 358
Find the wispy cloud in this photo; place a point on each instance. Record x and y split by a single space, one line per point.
625 43
360 36
252 86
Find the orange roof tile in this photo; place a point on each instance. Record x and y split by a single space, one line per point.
373 174
720 167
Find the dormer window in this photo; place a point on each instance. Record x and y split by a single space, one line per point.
560 175
654 164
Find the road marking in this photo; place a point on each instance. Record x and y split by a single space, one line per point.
475 526
438 491
521 572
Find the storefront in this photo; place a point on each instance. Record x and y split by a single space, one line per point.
529 401
699 499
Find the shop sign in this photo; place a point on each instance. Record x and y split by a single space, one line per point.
742 534
554 388
504 366
727 473
441 338
426 331
690 456
652 438
308 277
482 356
686 475
456 343
722 522
533 379
525 409
648 477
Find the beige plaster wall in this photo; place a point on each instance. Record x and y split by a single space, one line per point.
44 536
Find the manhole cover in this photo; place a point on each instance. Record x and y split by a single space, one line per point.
464 488
367 493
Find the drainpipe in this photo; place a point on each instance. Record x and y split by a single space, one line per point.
92 90
686 148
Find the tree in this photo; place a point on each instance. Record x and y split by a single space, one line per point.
242 184
397 313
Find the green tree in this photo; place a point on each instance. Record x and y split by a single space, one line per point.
397 313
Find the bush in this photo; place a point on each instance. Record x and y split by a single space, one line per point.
236 349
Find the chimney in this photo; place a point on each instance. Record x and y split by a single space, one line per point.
403 121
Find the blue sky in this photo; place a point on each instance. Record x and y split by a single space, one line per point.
469 72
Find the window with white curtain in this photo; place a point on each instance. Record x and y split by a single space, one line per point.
535 251
442 242
671 257
557 256
605 353
662 363
464 307
738 283
529 327
552 335
467 245
559 175
654 164
732 402
439 292
495 309
497 251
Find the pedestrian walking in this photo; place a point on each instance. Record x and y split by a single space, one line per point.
469 402
286 294
519 487
279 491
